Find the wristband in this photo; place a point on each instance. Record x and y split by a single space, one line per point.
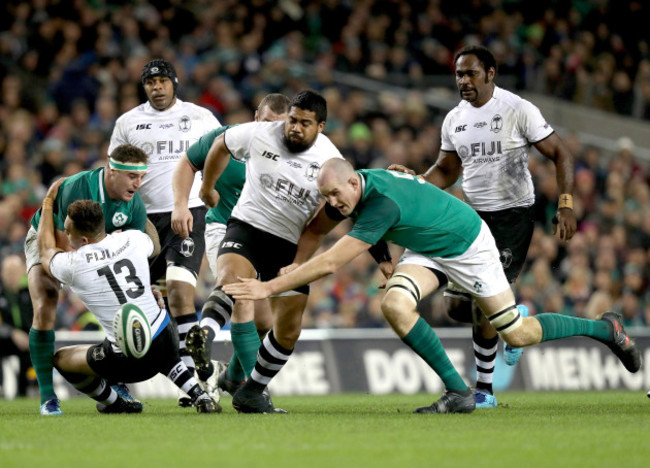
380 252
565 201
47 203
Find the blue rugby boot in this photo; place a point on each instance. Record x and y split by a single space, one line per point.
51 407
484 399
511 354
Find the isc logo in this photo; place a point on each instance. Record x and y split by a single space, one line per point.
461 128
269 155
143 126
231 244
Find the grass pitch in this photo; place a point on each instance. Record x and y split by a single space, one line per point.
599 429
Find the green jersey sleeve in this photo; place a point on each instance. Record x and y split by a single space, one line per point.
198 152
376 217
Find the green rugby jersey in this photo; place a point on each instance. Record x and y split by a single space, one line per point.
229 184
89 185
412 213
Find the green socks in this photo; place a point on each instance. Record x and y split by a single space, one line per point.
556 326
41 349
423 340
246 342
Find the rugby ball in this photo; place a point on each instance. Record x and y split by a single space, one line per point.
132 331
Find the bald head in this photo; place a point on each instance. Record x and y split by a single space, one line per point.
339 183
339 169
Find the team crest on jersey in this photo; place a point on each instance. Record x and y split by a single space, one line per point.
119 219
185 124
266 181
463 151
497 124
147 148
187 247
312 171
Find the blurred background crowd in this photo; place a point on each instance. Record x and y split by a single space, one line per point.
69 68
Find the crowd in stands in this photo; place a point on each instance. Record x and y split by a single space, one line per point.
69 69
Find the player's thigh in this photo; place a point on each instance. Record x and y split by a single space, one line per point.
73 359
214 235
415 277
512 230
231 266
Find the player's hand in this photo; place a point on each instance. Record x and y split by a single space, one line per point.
387 268
158 296
209 197
565 224
400 168
54 189
248 289
288 269
182 221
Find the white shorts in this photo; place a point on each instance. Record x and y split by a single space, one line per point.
214 233
32 257
477 271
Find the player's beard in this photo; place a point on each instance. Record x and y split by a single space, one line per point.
296 146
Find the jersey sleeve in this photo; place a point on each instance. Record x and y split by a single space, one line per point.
238 140
532 124
144 241
62 267
119 135
138 218
197 153
377 216
445 138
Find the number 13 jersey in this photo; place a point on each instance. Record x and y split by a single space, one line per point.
110 273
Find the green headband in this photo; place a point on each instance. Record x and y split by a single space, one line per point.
126 166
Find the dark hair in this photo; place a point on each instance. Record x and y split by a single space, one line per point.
483 54
159 67
311 101
129 153
87 216
277 102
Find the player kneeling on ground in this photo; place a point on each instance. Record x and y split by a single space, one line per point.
110 274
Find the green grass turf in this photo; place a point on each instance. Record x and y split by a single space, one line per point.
608 429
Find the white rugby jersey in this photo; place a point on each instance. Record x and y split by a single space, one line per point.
280 194
492 142
165 136
110 273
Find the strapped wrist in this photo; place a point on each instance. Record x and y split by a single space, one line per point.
565 201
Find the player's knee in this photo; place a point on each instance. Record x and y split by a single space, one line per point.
57 359
402 293
508 323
